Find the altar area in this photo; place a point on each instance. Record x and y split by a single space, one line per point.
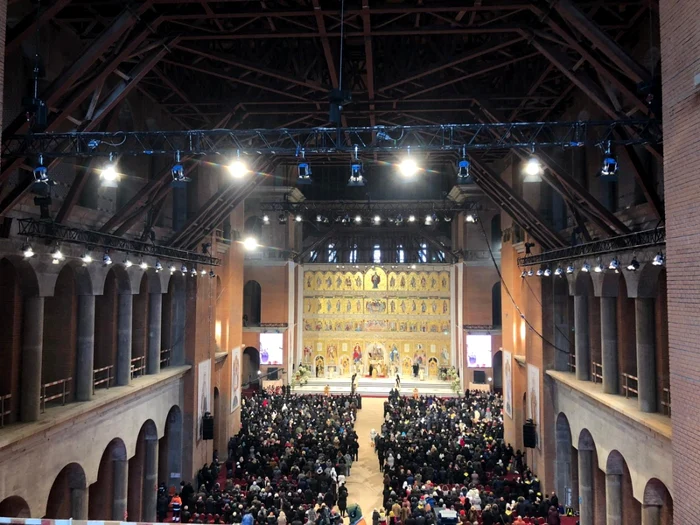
377 387
377 323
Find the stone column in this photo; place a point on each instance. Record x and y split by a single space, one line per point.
121 488
613 499
32 348
608 338
651 515
150 480
155 314
79 504
177 356
646 354
86 348
581 329
124 328
585 486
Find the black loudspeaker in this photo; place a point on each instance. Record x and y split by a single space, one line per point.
272 373
479 377
530 435
208 426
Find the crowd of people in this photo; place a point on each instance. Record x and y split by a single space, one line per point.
442 454
287 464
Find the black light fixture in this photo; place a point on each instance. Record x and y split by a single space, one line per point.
540 272
610 165
266 219
585 267
614 264
158 266
558 271
183 269
108 174
528 247
41 173
633 266
178 173
598 267
463 168
659 259
303 170
282 218
547 272
27 250
106 259
357 178
570 269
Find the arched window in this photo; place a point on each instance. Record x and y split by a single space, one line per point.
496 304
252 303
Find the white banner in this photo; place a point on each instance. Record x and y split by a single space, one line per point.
508 384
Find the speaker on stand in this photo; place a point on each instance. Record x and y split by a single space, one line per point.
207 426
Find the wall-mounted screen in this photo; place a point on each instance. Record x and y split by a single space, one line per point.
479 351
271 349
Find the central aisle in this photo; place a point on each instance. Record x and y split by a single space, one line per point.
365 482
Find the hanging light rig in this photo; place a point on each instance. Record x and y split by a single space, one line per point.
463 168
610 166
303 169
356 171
178 173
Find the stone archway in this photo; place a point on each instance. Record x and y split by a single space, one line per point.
567 482
68 497
657 507
108 493
250 365
170 450
498 371
14 507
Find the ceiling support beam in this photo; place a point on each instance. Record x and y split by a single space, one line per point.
369 60
521 212
116 95
144 193
590 30
29 24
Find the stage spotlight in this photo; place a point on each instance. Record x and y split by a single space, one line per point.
411 218
27 251
523 274
211 274
237 168
377 219
183 269
614 264
530 273
408 167
178 173
558 271
570 268
86 258
533 169
193 271
109 175
658 259
282 218
358 219
598 267
203 272
298 218
610 166
428 220
356 175
143 265
171 267
539 272
447 218
585 267
250 243
633 266
41 174
319 218
470 218
399 220
303 170
463 171
127 262
266 219
56 255
158 266
547 272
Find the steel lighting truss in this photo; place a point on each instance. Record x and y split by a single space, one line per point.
92 239
633 241
325 141
331 211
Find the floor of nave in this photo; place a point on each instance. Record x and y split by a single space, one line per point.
365 482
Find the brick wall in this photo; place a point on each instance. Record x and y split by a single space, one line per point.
273 291
680 62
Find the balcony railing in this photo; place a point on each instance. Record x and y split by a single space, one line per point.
102 376
165 357
666 401
138 366
597 372
61 389
4 412
572 362
630 385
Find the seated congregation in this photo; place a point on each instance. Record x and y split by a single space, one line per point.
287 464
448 454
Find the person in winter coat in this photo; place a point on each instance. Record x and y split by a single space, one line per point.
553 516
375 517
342 500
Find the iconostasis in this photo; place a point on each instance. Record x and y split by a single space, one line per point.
377 323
